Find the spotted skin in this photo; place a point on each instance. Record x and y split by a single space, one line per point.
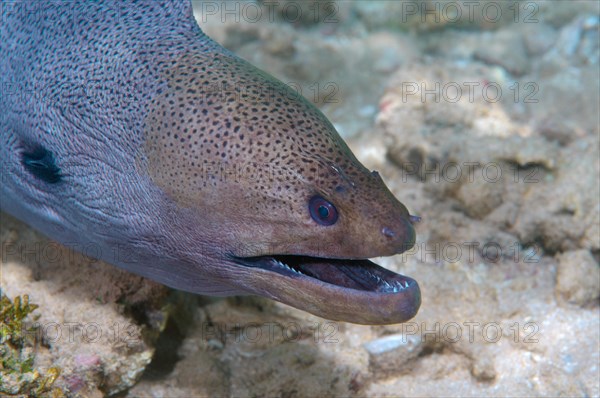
250 137
162 144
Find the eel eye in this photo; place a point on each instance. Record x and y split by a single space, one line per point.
322 211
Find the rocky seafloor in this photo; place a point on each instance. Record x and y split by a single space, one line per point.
482 117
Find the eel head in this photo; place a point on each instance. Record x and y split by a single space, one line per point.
264 177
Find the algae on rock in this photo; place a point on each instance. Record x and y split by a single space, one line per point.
18 374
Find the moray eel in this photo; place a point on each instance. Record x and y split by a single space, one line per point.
128 133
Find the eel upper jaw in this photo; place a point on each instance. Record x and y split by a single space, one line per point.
357 291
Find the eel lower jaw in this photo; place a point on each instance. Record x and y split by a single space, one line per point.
357 291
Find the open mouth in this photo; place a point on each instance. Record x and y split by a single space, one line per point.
350 290
356 291
361 275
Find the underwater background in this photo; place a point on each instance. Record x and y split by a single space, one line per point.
482 117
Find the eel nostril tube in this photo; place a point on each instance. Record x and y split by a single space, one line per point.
388 232
414 219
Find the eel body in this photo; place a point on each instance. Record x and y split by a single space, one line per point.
124 127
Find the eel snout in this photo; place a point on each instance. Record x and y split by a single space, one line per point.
402 235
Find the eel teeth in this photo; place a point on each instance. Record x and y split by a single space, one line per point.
395 287
285 266
386 286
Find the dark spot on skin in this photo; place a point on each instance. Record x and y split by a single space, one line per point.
40 163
